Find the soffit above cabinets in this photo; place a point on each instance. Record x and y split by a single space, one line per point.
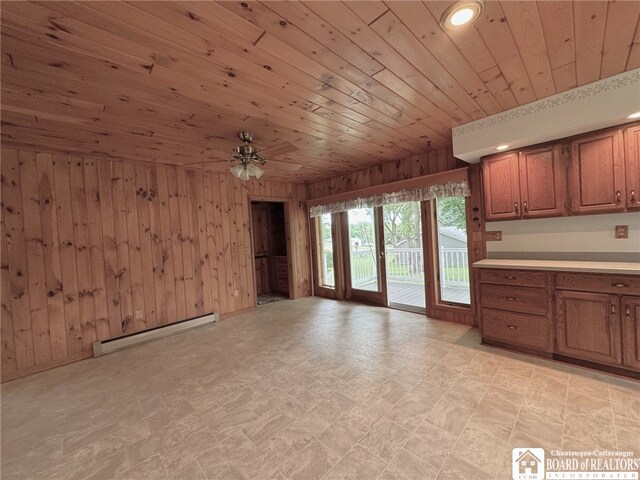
601 104
332 87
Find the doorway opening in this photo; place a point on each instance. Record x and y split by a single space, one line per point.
270 251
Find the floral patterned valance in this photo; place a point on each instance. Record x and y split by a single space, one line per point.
453 188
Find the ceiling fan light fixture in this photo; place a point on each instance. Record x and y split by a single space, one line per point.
248 156
461 14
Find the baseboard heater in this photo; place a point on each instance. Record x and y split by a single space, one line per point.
102 347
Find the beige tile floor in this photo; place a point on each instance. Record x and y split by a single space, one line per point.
309 389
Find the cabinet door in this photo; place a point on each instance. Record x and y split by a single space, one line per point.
588 326
597 173
632 159
260 217
542 181
501 186
631 332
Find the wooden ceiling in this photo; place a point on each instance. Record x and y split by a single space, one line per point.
325 87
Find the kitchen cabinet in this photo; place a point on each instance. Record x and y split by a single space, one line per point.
515 308
501 187
632 166
542 181
262 276
526 184
566 315
279 268
260 218
588 326
596 173
631 332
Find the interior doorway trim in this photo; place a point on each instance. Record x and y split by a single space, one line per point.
292 262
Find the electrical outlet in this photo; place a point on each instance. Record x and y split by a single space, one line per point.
622 231
139 314
495 236
236 293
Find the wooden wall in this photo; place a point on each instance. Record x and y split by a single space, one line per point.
433 161
427 163
96 248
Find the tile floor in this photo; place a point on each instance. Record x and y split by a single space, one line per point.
309 389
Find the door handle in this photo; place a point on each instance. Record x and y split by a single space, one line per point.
627 311
633 196
618 197
526 208
613 308
512 327
511 299
619 285
517 209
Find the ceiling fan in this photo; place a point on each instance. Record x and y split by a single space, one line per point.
249 158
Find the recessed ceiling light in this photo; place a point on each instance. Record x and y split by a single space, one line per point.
461 14
634 115
502 147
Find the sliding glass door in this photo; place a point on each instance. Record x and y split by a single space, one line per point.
366 279
404 255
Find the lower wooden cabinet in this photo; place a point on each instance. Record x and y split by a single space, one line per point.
631 332
588 326
584 316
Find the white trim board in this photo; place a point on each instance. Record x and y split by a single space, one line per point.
600 104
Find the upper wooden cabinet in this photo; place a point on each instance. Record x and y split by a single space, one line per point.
632 157
527 184
597 173
542 181
501 187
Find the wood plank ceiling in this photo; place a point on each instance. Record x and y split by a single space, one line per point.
326 87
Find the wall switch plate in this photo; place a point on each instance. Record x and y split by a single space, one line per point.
622 231
495 236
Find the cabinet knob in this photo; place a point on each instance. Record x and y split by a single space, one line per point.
627 311
517 209
633 196
512 327
618 197
526 208
511 299
613 308
620 285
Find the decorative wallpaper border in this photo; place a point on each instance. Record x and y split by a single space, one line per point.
554 101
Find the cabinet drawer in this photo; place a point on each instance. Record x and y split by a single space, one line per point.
529 331
616 284
516 299
514 277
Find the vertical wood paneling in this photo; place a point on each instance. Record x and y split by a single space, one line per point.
96 250
67 253
17 259
176 241
155 234
110 248
133 241
35 257
167 245
83 255
125 287
92 249
51 251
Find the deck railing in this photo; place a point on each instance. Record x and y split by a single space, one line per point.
407 265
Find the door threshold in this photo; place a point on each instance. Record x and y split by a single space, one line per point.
407 308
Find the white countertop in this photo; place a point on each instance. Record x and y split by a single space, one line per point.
626 268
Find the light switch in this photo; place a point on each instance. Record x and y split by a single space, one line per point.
622 231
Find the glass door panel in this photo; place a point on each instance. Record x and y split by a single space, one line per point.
404 254
453 258
327 273
363 251
365 271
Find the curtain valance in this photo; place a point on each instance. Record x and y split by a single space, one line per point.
452 183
